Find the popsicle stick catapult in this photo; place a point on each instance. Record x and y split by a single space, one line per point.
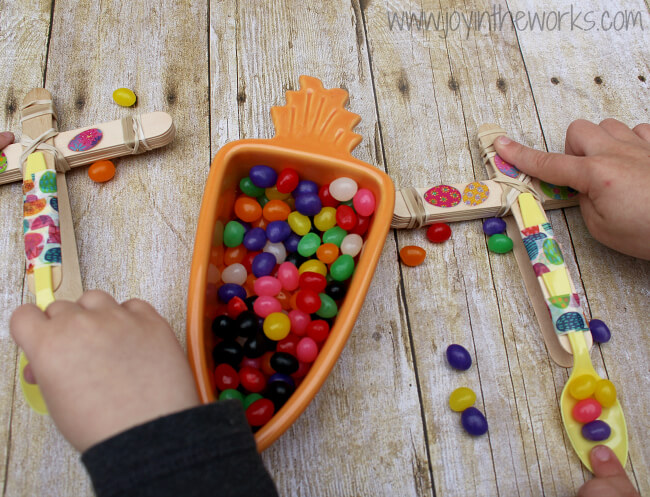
41 160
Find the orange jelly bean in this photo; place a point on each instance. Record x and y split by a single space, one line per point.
327 253
101 171
216 255
412 255
276 210
234 254
247 209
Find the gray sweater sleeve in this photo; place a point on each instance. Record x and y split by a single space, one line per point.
204 451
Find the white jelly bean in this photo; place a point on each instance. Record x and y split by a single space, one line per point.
351 244
278 250
343 189
235 273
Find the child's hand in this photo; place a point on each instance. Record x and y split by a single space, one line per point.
103 367
609 479
609 164
6 138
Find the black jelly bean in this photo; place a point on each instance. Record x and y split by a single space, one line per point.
255 346
296 259
336 290
283 362
249 301
224 327
247 324
279 392
228 351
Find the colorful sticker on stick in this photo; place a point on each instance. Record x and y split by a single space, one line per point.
3 162
85 140
557 192
443 196
506 168
475 193
41 221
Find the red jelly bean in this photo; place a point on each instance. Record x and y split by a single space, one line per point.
326 197
303 369
299 322
260 412
247 261
363 223
307 350
226 377
346 218
587 410
252 379
235 307
288 344
438 232
287 181
308 301
318 330
255 363
313 281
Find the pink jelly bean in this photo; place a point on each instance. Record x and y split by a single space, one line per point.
267 285
364 202
307 350
299 322
265 305
288 276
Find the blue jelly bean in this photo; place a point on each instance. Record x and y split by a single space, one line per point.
278 231
473 421
599 331
291 243
263 176
596 431
255 239
281 377
458 357
308 204
494 226
263 264
229 290
305 186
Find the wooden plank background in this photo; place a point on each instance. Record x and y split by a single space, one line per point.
380 425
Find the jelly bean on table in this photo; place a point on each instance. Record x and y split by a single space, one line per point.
412 255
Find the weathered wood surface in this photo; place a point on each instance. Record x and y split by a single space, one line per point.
380 425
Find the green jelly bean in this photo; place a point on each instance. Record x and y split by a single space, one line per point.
250 398
262 200
308 244
500 244
231 393
342 268
334 235
233 234
328 308
247 187
349 203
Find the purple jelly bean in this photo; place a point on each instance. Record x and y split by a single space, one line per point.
596 431
263 264
458 357
281 377
229 290
308 204
305 186
599 331
263 176
291 243
473 421
494 226
278 231
255 239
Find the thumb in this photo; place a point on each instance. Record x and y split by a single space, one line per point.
27 325
605 463
559 169
6 138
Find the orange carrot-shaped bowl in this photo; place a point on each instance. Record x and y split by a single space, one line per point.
313 136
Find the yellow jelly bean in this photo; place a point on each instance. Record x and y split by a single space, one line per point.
276 326
605 393
325 219
299 223
272 193
313 266
582 387
462 398
124 97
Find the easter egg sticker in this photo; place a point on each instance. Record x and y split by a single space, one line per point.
557 192
475 193
3 162
553 252
506 168
85 140
47 182
443 196
569 322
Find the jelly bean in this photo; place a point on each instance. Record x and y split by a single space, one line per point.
279 392
605 393
299 223
278 250
438 232
124 97
336 290
230 290
292 241
596 431
582 386
247 261
308 204
308 301
255 239
326 197
318 330
247 187
235 273
363 223
305 186
284 363
251 362
283 377
233 234
276 210
288 276
101 171
226 376
328 308
334 235
247 324
307 350
346 217
342 268
250 398
255 346
412 255
252 379
299 322
288 344
247 209
233 255
260 412
235 307
277 231
364 202
263 176
303 369
296 259
231 394
586 410
228 351
267 285
500 244
287 180
314 266
599 331
458 357
273 194
263 200
309 244
351 245
325 219
224 327
462 398
473 421
494 226
343 189
327 253
263 264
313 281
265 305
277 326
266 363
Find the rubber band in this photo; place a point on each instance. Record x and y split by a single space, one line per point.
133 134
34 109
415 206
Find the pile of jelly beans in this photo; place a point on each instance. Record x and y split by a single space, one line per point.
279 278
462 399
498 242
592 395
